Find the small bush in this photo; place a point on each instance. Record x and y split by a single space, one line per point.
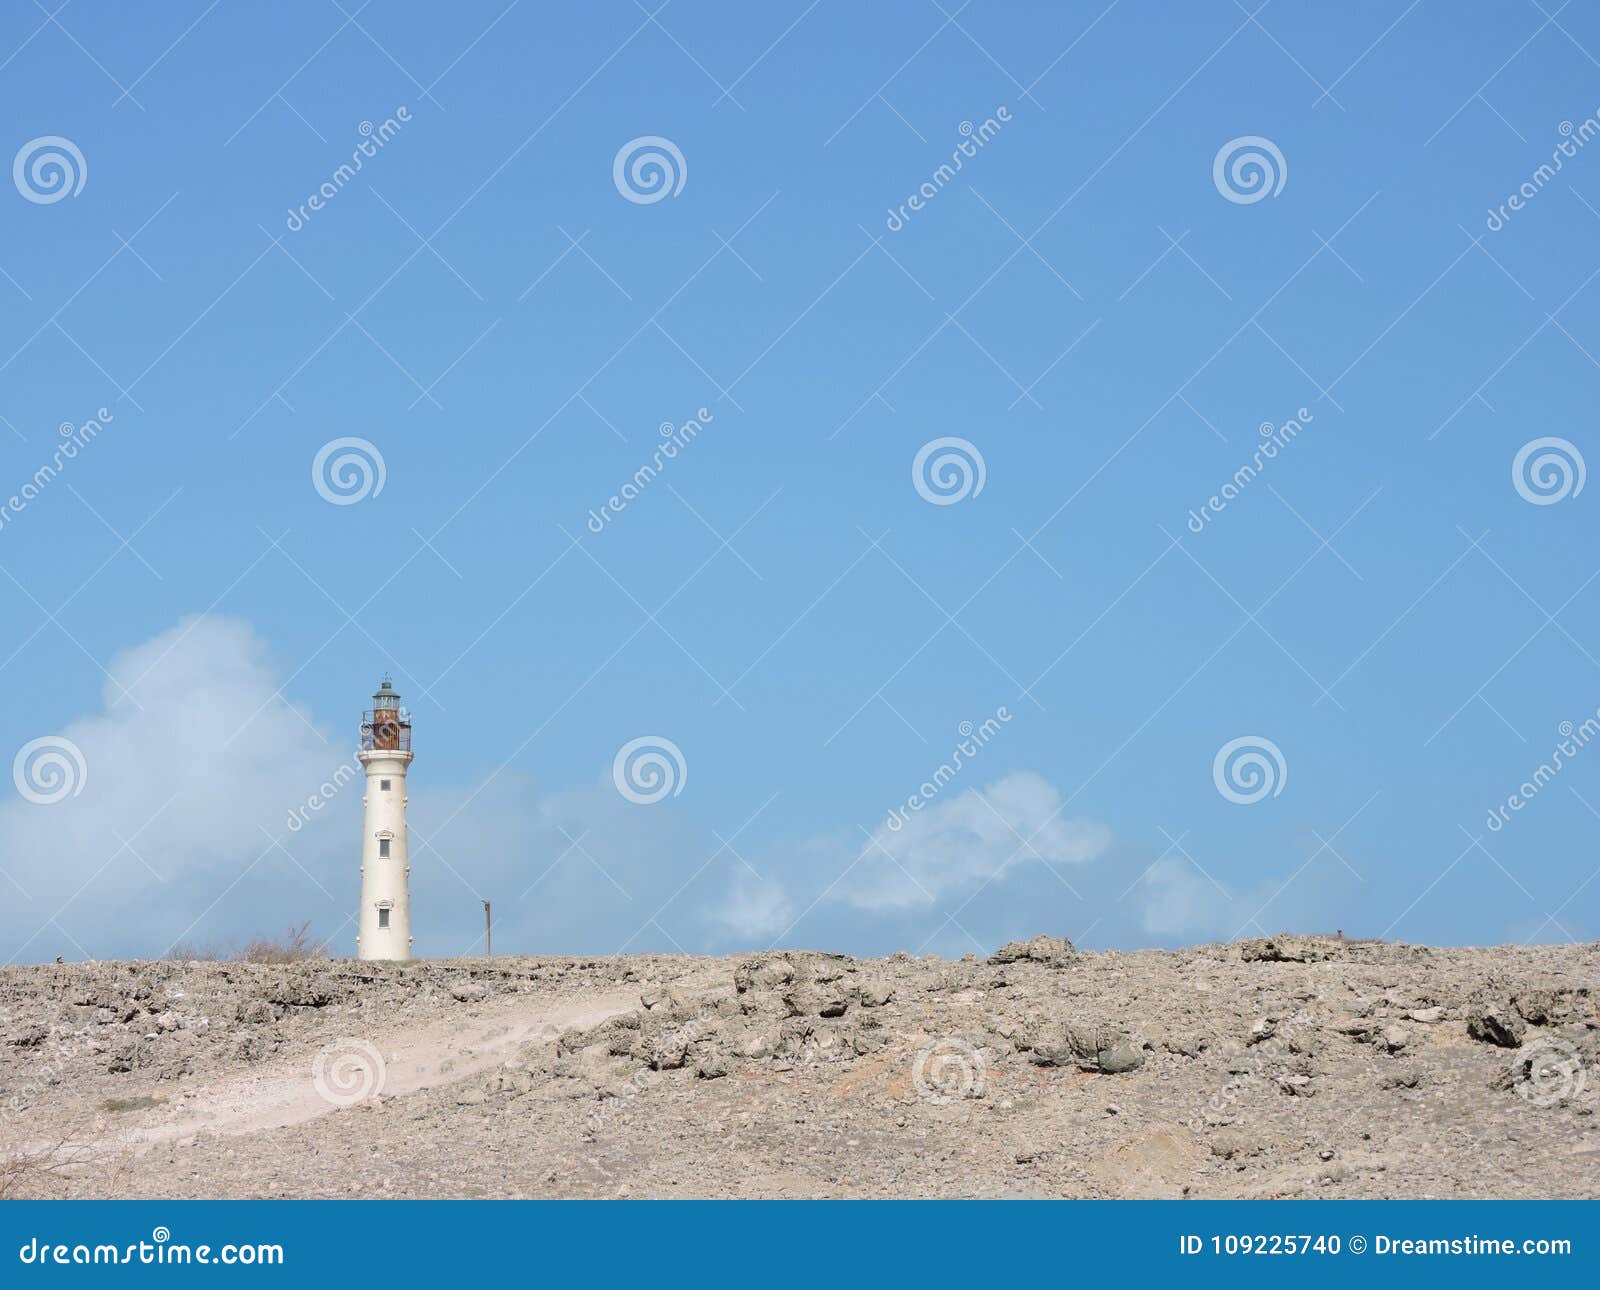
294 945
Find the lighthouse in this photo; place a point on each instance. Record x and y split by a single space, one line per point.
383 927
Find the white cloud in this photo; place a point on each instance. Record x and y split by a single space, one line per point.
958 843
756 909
1180 902
182 771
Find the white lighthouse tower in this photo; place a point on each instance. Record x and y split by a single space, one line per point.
384 926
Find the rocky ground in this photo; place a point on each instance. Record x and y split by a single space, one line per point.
1284 1067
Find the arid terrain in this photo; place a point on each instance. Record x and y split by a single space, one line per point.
1287 1067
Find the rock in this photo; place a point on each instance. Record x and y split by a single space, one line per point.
815 1001
1089 1047
1537 1007
711 1066
664 1052
471 1097
1121 1059
1265 1028
1391 1039
1496 1023
762 975
469 992
1053 951
1273 950
1230 1144
875 996
1426 1016
758 1044
868 1041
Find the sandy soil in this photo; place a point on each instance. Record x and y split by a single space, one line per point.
1283 1067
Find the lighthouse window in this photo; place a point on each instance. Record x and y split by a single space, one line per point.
383 917
383 846
383 785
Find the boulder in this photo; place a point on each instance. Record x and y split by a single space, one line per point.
1053 951
1089 1047
1496 1023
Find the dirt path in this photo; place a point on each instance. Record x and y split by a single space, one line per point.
351 1070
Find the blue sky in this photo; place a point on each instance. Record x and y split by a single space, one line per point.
1101 319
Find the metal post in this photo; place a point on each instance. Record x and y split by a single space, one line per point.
488 931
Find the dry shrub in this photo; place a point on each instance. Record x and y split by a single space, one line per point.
41 1172
293 945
